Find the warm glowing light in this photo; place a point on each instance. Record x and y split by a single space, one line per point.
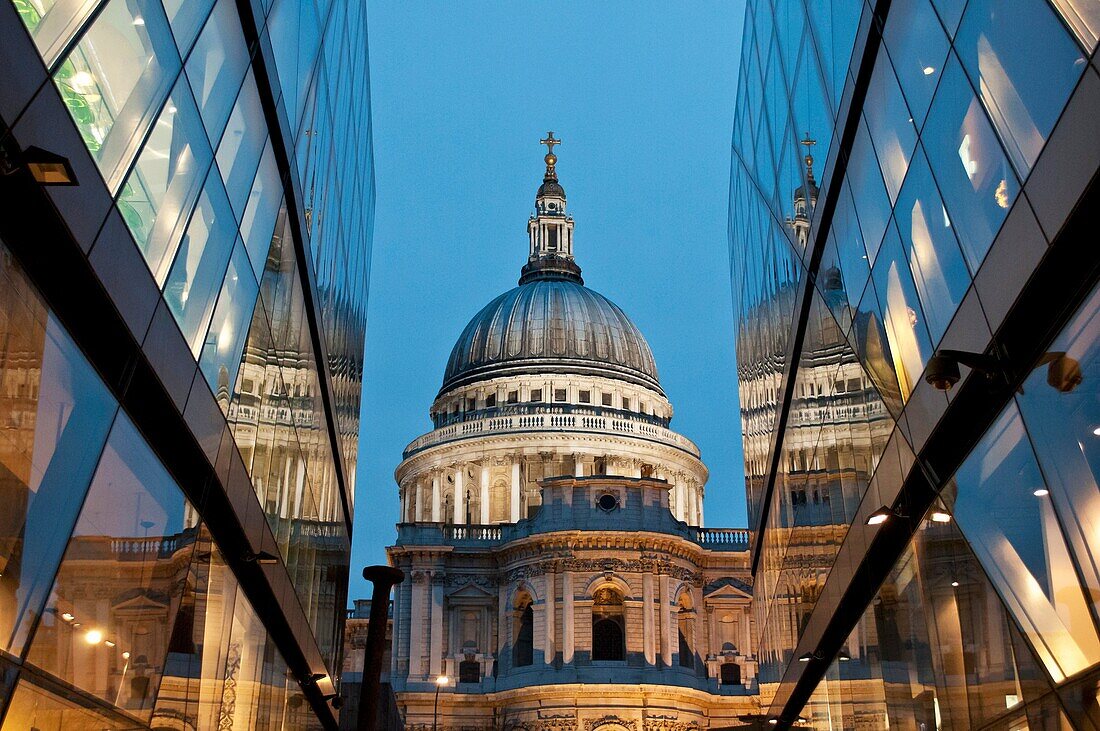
67 617
969 164
1096 432
172 109
139 21
126 655
1001 194
929 70
877 519
109 643
93 637
954 583
442 680
1041 492
938 516
82 81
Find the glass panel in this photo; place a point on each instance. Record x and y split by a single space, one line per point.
977 183
116 79
1004 509
216 66
192 687
200 264
161 191
243 667
1024 66
890 125
1083 17
871 201
54 417
918 48
105 628
54 23
935 259
906 335
38 710
221 352
186 17
239 152
1060 409
264 201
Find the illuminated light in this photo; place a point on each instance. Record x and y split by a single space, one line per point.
938 516
1001 194
225 336
773 721
109 643
955 584
82 80
171 109
67 617
1041 492
442 680
969 165
126 655
929 70
76 624
1096 432
843 657
93 637
139 21
880 516
946 220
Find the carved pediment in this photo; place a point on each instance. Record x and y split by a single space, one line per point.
610 723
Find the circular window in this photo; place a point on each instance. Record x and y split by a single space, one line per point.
607 502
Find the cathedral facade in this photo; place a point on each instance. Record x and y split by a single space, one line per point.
559 574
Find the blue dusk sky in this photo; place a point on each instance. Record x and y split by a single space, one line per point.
642 95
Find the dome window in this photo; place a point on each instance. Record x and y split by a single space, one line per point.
606 399
585 397
536 394
559 394
608 502
490 401
513 397
626 404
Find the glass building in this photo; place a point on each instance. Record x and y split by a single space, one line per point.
181 343
913 251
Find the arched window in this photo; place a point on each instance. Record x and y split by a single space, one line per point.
608 635
730 673
685 620
469 671
523 632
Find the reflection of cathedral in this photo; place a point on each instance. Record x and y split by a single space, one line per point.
559 573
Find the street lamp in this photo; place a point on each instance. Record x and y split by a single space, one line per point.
439 683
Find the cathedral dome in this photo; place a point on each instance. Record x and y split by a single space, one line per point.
551 325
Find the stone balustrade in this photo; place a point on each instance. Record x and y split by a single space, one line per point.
620 424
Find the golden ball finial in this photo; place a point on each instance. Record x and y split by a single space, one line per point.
551 159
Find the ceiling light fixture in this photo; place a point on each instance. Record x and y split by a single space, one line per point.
939 516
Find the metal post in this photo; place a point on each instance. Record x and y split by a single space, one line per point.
435 710
383 578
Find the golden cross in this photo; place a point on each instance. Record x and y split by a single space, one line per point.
550 142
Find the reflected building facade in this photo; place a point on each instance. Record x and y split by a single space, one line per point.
917 332
181 345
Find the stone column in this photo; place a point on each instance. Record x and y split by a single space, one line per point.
665 614
550 617
419 514
515 503
702 648
504 626
437 512
485 494
648 635
435 660
416 625
746 632
578 466
460 495
568 617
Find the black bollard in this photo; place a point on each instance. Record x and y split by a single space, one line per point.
383 578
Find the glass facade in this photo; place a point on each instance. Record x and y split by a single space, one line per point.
179 404
888 201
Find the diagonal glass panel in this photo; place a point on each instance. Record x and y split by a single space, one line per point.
105 626
54 417
1003 507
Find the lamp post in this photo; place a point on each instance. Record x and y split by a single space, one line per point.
439 683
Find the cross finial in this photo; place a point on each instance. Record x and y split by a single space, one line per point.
550 142
809 142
